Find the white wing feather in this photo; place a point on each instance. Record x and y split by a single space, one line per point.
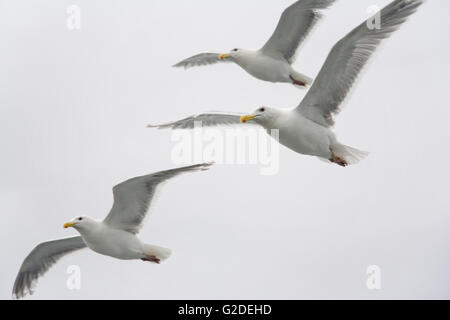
347 59
295 24
132 198
210 119
40 260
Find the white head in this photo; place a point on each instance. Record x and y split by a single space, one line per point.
235 54
81 223
263 116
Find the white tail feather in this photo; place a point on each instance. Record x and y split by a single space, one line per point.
302 78
158 252
349 154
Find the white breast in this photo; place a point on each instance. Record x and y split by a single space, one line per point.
114 243
264 67
303 135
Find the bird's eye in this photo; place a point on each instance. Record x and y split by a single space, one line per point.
80 218
262 109
234 50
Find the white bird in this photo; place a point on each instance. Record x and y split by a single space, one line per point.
306 129
273 61
115 236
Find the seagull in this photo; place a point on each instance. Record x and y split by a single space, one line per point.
115 236
273 61
307 129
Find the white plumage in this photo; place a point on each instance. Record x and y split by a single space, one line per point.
115 236
273 61
307 128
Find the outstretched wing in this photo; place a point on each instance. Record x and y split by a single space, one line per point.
210 119
347 59
132 198
201 59
294 26
42 258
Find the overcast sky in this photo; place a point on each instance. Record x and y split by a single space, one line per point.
73 110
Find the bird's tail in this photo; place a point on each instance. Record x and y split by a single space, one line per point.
349 154
300 79
155 254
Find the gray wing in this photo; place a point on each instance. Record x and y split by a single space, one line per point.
132 198
210 119
347 59
201 59
42 258
294 26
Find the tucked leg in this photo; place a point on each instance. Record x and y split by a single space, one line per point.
338 161
299 83
153 259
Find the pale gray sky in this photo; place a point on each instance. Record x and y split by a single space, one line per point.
73 110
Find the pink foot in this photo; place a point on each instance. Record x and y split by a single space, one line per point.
153 259
299 83
339 161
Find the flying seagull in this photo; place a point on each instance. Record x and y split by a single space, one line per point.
307 129
273 61
115 236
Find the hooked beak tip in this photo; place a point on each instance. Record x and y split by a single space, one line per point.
224 56
68 225
247 118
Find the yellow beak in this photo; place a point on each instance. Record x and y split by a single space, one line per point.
224 56
245 119
68 225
